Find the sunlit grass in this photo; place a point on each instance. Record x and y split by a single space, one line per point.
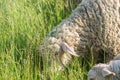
23 26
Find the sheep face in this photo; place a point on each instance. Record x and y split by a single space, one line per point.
100 72
62 51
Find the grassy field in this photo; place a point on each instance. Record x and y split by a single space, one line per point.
23 26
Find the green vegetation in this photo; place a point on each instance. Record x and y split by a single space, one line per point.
23 26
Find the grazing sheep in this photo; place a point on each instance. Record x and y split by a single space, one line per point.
93 25
110 71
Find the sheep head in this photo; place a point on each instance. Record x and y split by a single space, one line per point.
100 72
62 51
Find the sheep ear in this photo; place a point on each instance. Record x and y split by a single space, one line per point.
65 47
107 73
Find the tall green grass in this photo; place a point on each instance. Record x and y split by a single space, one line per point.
23 26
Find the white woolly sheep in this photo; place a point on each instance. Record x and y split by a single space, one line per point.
95 25
110 71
